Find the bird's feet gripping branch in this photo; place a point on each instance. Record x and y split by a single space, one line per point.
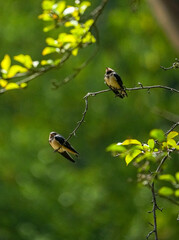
59 144
114 82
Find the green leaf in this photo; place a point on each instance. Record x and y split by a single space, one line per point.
23 85
115 148
3 83
177 193
60 6
166 191
172 135
16 69
151 143
130 141
52 42
75 52
26 60
83 6
172 143
158 134
11 86
129 157
6 63
168 178
177 176
47 4
47 62
48 50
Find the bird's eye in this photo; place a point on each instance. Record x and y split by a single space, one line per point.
108 72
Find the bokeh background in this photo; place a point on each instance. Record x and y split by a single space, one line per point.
42 195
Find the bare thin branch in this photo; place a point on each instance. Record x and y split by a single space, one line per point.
172 127
155 207
90 94
150 87
174 66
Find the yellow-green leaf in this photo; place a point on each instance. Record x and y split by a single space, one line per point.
47 4
89 22
11 86
6 63
158 134
151 143
129 157
177 193
130 141
177 176
60 7
83 6
172 143
26 60
167 177
3 83
52 42
166 191
75 52
47 62
23 85
16 69
48 50
172 134
115 148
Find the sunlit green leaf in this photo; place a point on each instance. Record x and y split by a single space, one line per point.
177 193
130 141
83 6
129 157
45 17
52 42
172 143
11 86
48 50
177 176
26 60
75 52
47 4
158 134
116 148
89 23
23 85
166 191
16 69
47 62
167 177
172 134
3 83
71 23
151 143
60 6
5 63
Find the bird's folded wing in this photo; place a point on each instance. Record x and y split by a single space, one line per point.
67 156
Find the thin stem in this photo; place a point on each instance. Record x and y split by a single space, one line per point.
90 94
172 127
155 207
150 87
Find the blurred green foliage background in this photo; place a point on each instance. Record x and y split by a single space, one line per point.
42 195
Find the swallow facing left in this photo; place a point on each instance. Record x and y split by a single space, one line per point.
60 145
114 82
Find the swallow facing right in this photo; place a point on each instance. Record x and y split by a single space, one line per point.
59 144
114 82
